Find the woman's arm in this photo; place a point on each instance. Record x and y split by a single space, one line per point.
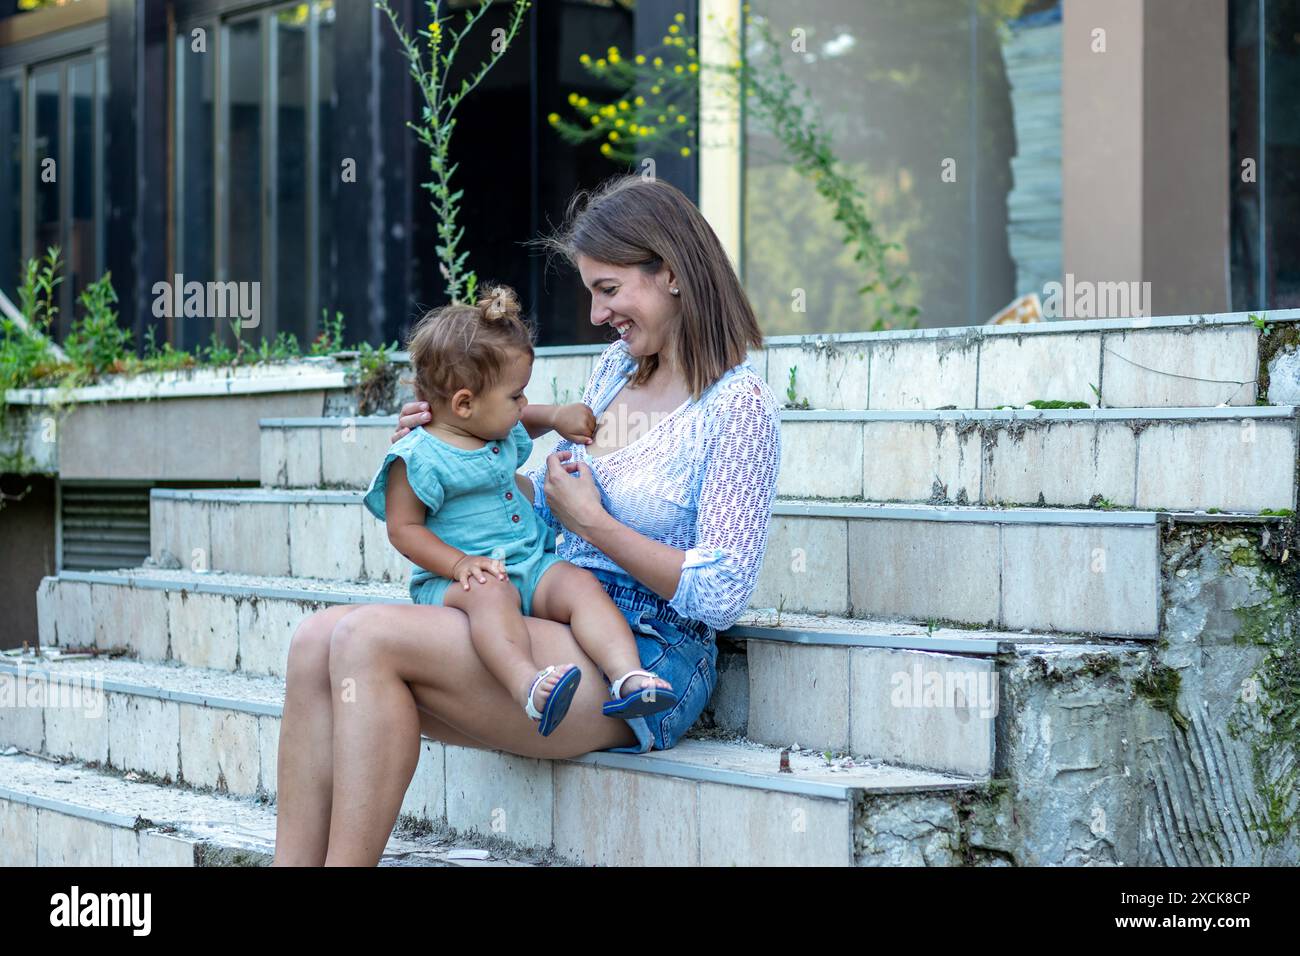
733 510
656 565
713 581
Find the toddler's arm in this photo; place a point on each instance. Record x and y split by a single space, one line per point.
575 422
404 516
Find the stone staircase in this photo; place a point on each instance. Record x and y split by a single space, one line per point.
1034 636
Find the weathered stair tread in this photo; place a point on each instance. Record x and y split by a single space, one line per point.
748 764
230 829
784 507
236 584
796 628
755 624
1159 413
236 690
736 761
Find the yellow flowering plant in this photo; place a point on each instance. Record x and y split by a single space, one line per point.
430 64
645 116
642 114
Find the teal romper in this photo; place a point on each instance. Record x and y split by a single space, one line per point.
472 503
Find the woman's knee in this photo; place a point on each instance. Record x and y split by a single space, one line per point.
353 639
309 648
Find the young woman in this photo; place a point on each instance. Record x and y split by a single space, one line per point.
668 507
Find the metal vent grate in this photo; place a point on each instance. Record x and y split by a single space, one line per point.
104 527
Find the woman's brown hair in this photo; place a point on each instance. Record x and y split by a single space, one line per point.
466 346
649 223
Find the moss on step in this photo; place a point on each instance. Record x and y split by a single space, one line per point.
1273 338
1267 711
1159 685
984 816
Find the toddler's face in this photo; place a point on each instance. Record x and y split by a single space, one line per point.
497 410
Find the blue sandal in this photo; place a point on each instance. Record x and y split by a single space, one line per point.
648 700
557 704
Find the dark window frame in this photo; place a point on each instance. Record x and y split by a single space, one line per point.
217 17
83 44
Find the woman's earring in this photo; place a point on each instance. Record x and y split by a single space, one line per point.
674 292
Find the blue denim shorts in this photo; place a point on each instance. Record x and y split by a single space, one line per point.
681 651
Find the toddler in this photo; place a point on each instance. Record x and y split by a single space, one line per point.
456 507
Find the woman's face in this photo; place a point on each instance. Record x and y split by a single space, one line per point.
638 306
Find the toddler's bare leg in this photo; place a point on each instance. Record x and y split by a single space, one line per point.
573 596
500 637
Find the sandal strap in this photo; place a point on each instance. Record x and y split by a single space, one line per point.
530 708
615 691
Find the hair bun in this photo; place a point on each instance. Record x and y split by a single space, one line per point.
499 302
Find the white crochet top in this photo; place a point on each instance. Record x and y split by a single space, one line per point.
702 480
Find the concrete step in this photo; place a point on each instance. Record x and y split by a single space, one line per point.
1165 361
825 683
1232 458
1121 363
739 804
61 813
1046 569
1042 569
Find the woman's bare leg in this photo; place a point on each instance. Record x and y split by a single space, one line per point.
384 659
304 772
305 775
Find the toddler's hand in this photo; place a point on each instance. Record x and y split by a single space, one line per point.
576 422
477 566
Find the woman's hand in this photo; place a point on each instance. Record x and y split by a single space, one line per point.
576 422
572 495
413 414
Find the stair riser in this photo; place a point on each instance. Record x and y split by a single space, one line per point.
935 711
218 631
966 370
1234 465
43 836
232 751
1012 576
864 699
531 803
317 540
1101 579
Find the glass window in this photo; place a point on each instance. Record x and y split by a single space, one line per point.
81 256
11 182
1282 154
290 169
45 170
255 155
243 180
195 159
324 265
1265 150
946 115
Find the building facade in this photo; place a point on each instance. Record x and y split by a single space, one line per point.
1002 145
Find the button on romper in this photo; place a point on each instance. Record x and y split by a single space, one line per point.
472 503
